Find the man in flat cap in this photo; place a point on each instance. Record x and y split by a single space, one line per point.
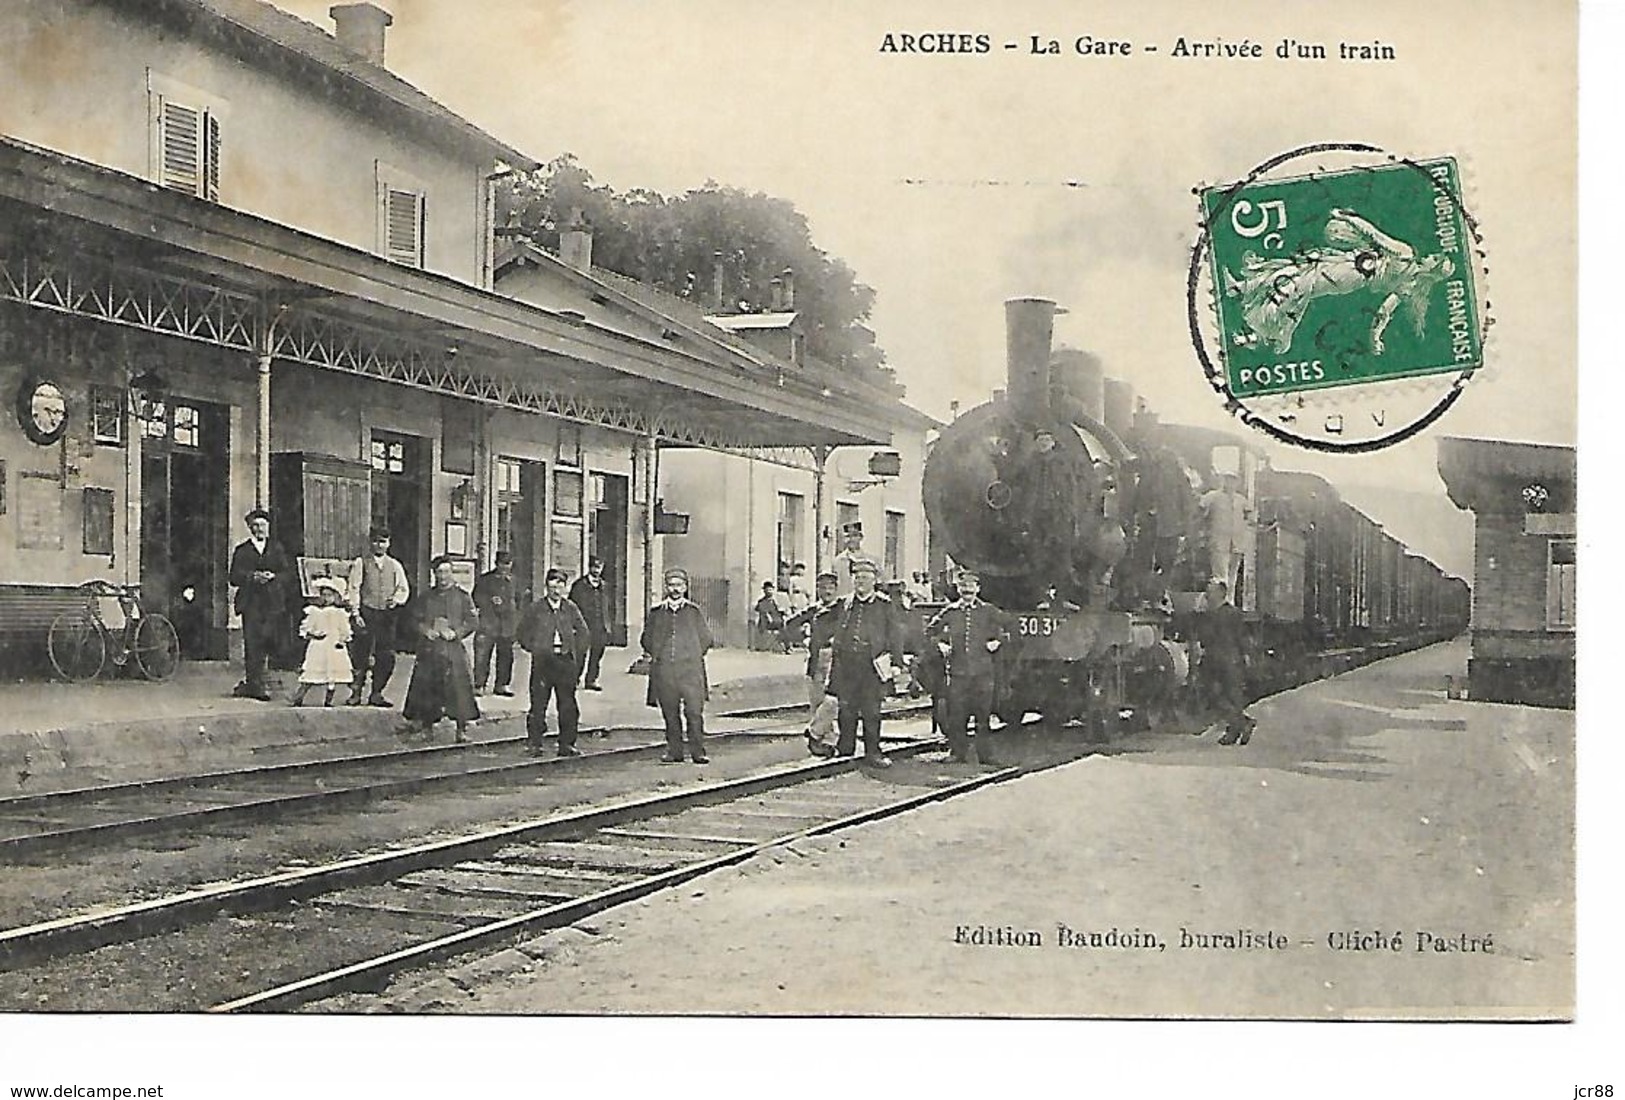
967 634
260 571
378 591
868 641
499 624
556 636
676 638
591 595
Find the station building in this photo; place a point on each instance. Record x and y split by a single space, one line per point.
242 263
1522 496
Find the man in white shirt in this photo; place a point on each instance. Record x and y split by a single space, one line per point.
378 590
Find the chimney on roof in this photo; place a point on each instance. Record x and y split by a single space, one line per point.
787 280
361 29
575 242
719 302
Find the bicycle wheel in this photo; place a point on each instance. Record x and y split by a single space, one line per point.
157 649
78 645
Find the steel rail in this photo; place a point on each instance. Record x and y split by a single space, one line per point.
272 805
371 971
36 942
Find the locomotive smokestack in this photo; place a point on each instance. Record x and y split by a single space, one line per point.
1080 375
1119 407
1029 324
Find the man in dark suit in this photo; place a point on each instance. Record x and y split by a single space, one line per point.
820 621
967 634
261 573
592 598
868 653
676 638
1221 631
499 622
555 635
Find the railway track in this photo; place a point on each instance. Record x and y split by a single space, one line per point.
32 825
281 940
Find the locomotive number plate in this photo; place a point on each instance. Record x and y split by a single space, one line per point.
1038 626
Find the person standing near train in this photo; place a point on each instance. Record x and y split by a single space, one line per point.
557 638
819 620
1221 632
499 622
378 590
868 643
260 571
592 600
968 633
676 638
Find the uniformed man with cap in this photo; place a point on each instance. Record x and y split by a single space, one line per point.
968 633
556 636
676 638
260 571
868 641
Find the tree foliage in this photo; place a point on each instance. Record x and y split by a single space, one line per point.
680 244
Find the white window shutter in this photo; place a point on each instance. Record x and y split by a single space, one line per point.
403 225
180 146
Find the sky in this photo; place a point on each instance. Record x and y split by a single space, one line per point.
950 182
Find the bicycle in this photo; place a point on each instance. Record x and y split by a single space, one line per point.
80 641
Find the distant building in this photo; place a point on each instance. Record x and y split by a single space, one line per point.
1522 499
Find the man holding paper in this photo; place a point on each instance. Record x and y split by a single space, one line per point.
868 654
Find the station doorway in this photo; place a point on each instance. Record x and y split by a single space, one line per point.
185 530
521 515
606 541
400 505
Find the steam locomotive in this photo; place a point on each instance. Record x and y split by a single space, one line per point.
1096 527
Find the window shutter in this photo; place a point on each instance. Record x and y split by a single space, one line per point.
211 189
403 226
180 148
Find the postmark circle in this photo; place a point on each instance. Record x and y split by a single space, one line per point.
1345 295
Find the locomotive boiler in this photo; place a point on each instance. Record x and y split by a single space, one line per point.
1025 490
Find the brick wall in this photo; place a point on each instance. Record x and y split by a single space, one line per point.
1509 584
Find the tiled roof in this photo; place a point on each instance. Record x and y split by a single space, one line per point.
289 32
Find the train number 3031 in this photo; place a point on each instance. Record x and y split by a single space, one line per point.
1038 626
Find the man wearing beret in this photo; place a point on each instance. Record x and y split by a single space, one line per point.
967 633
260 571
676 638
868 644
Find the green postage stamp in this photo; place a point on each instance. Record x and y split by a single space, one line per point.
1344 277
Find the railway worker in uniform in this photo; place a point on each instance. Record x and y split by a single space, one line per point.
868 643
968 633
260 571
819 619
1221 632
441 684
378 591
592 600
676 638
499 623
557 637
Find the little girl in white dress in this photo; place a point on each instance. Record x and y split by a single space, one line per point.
327 653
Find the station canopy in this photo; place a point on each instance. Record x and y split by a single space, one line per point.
86 241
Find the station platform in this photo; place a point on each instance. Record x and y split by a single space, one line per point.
56 735
1378 851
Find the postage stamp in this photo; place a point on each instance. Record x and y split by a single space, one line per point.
1340 277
